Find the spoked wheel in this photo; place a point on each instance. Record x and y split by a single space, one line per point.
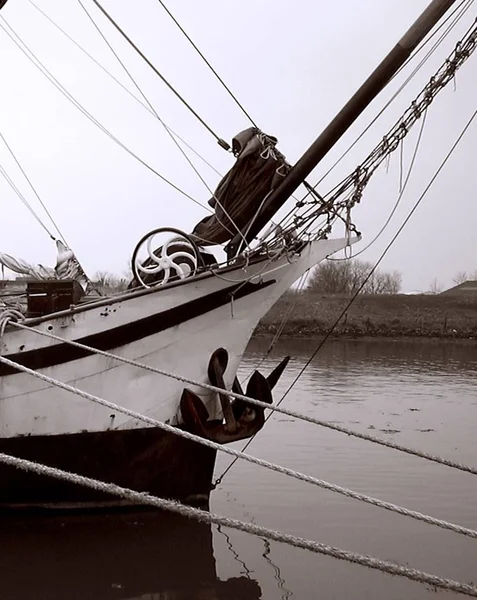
165 255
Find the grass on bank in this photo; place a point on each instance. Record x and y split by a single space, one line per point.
400 315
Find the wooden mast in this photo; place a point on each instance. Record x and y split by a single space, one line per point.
345 118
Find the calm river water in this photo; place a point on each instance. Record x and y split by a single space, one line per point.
422 394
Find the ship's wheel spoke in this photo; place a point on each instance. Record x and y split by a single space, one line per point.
150 269
167 272
152 255
179 270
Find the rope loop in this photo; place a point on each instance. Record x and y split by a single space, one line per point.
7 316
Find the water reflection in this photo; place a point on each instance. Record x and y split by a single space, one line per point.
436 355
145 555
285 592
422 395
418 394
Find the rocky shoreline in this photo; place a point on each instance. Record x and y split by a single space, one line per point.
375 316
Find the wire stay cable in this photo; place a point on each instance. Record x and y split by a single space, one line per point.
32 187
191 164
208 63
118 82
383 254
220 141
353 298
41 67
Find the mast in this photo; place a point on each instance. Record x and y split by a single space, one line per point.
375 83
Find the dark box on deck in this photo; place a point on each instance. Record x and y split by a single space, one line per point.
51 295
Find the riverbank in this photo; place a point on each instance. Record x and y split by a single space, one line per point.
389 316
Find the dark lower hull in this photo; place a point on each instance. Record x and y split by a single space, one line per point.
147 460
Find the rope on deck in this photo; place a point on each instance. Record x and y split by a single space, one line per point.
7 317
271 534
252 459
291 413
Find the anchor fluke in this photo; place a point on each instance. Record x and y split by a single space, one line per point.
193 411
258 388
277 372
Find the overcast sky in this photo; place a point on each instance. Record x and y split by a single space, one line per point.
292 65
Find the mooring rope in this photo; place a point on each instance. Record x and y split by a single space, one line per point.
285 411
252 528
252 459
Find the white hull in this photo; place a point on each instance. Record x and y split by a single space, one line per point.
30 407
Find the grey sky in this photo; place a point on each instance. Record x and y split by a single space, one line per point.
292 65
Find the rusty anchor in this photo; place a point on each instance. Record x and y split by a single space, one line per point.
217 366
242 419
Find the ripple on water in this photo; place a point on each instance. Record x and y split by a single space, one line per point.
419 394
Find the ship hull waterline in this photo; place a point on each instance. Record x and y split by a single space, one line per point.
175 330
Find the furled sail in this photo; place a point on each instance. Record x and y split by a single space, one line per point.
18 265
67 266
259 169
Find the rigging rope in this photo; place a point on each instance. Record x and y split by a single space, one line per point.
208 64
275 338
398 201
385 251
220 141
191 164
352 187
389 102
434 33
25 201
403 85
33 188
457 59
252 459
208 517
284 321
41 11
212 388
137 86
366 279
40 66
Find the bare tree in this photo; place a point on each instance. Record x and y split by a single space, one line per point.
101 278
331 278
348 277
381 283
110 282
463 276
436 287
460 277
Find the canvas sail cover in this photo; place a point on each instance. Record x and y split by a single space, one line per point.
258 170
67 266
